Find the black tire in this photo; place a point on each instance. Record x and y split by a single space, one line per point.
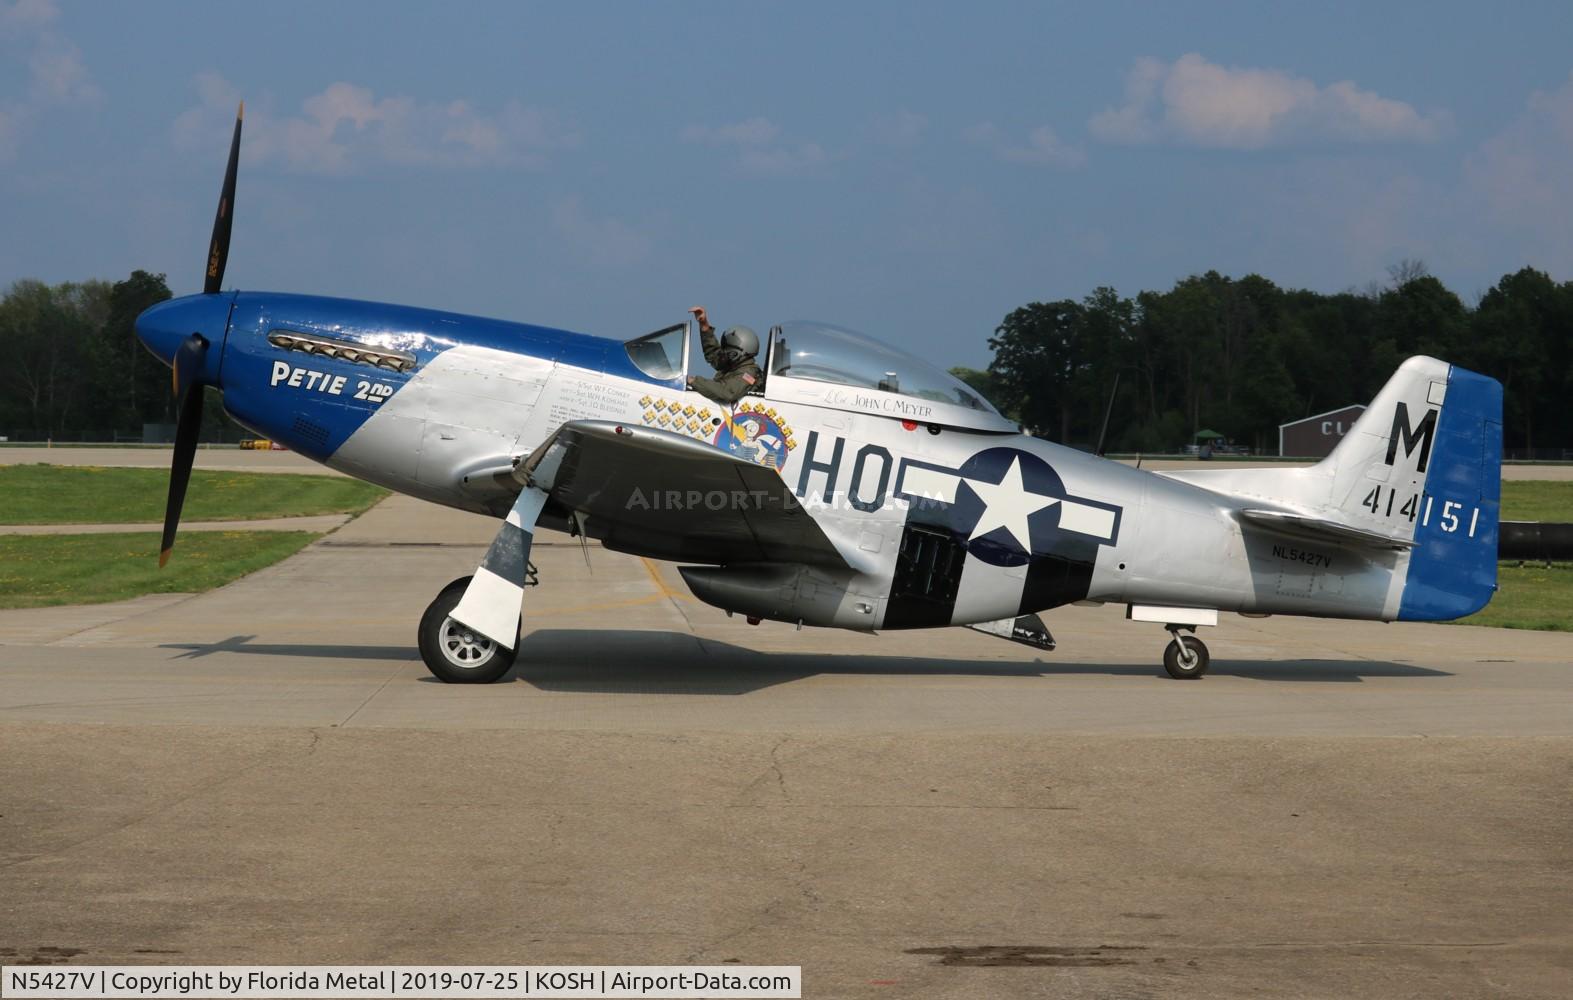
457 655
1191 667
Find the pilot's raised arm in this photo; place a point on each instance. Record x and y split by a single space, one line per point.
732 356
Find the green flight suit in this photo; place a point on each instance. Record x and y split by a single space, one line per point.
731 384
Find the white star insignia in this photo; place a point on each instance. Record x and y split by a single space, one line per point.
1008 505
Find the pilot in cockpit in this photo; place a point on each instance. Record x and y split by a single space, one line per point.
736 371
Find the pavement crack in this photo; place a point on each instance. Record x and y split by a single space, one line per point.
673 598
386 681
775 766
772 772
132 613
767 917
160 809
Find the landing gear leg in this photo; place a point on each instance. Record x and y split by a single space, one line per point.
471 631
1186 658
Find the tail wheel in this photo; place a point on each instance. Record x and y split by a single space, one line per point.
455 653
1187 661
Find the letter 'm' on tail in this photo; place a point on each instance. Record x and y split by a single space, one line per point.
1424 464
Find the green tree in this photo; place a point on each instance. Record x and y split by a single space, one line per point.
1039 350
1180 334
45 332
1243 355
1518 333
133 384
75 369
1111 357
1421 316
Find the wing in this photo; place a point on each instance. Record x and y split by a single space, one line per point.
1322 530
668 496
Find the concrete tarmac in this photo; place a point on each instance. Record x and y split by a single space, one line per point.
267 773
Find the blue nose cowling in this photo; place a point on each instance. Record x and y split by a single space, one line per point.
164 327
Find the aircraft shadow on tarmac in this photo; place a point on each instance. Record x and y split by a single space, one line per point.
649 662
609 661
244 644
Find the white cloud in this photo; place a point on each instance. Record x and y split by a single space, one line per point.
1132 121
1043 147
950 223
346 126
904 128
25 15
1520 177
1202 103
783 159
56 76
605 242
759 147
749 132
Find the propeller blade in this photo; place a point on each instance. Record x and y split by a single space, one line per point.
180 469
218 250
190 360
188 363
187 367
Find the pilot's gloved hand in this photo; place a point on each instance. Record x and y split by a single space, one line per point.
699 314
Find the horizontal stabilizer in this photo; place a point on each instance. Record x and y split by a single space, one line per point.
1322 530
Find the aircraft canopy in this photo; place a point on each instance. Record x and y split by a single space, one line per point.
804 351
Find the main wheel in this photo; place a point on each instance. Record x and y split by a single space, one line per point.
1188 663
456 653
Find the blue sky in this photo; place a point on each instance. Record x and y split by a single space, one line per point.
912 170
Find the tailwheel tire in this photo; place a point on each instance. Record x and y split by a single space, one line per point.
1189 663
455 653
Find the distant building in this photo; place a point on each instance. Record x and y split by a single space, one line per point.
1315 437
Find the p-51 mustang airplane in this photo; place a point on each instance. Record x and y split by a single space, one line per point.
856 488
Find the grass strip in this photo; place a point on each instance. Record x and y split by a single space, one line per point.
58 494
1537 500
42 570
1530 597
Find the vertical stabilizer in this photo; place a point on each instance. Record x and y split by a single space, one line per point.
1424 464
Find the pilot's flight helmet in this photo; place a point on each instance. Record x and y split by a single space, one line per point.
737 343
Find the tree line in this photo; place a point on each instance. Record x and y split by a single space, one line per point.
1236 355
1241 356
72 368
